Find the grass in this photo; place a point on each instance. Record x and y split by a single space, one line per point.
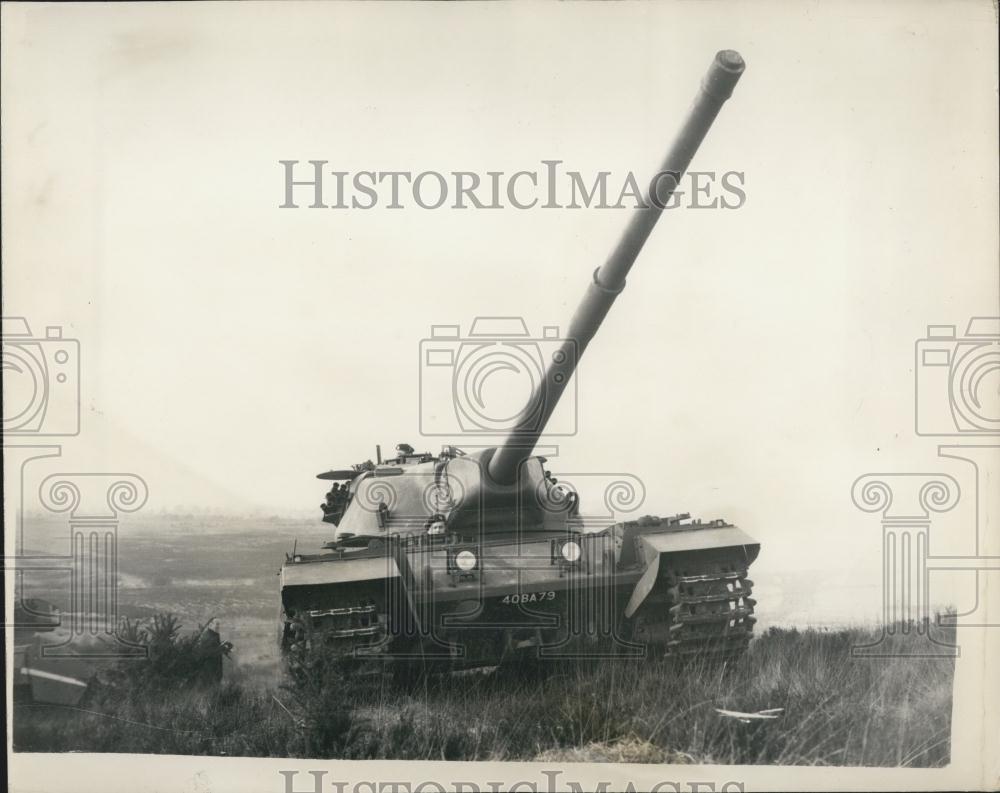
838 710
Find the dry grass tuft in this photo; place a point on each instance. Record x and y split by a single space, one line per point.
839 710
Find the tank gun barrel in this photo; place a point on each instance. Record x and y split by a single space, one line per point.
609 279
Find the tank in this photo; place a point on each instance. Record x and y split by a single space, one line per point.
473 557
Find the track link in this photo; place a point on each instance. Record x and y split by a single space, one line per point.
700 607
334 633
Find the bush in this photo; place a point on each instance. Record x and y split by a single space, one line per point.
166 659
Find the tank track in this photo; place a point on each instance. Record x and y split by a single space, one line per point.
700 608
337 633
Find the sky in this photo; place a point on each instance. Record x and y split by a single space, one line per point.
758 362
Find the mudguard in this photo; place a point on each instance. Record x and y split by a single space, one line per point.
656 545
338 571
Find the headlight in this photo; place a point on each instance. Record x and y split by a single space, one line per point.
466 561
571 551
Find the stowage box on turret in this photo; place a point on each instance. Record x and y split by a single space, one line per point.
469 559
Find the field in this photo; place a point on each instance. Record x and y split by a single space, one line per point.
836 709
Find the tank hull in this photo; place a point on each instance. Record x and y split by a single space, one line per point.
635 590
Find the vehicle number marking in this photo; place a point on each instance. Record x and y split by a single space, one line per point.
528 597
